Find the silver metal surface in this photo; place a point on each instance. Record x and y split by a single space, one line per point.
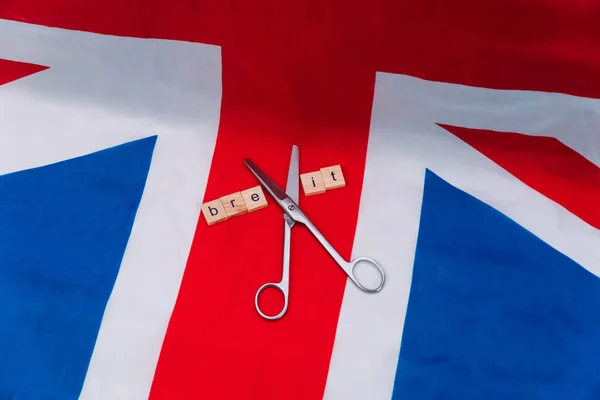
348 267
284 284
267 183
289 202
293 189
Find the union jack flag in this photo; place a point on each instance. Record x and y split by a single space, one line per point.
469 137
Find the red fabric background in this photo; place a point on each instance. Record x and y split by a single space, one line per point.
545 164
13 70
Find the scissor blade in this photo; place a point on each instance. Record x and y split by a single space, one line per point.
268 184
293 186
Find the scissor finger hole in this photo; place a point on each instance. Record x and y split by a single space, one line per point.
271 300
367 274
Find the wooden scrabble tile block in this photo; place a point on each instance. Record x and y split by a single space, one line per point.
254 198
234 204
214 212
333 177
312 183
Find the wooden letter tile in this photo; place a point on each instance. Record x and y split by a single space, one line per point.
234 204
254 198
333 177
312 182
214 212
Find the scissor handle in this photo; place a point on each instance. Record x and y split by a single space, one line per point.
283 289
348 267
350 271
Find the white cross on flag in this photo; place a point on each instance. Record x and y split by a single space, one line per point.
470 149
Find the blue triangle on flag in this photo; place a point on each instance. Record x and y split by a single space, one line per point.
494 312
63 231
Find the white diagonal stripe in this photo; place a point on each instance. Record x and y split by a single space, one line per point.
102 91
404 141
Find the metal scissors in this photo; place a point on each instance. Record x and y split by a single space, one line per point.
288 200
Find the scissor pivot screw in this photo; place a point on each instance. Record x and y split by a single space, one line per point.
291 207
